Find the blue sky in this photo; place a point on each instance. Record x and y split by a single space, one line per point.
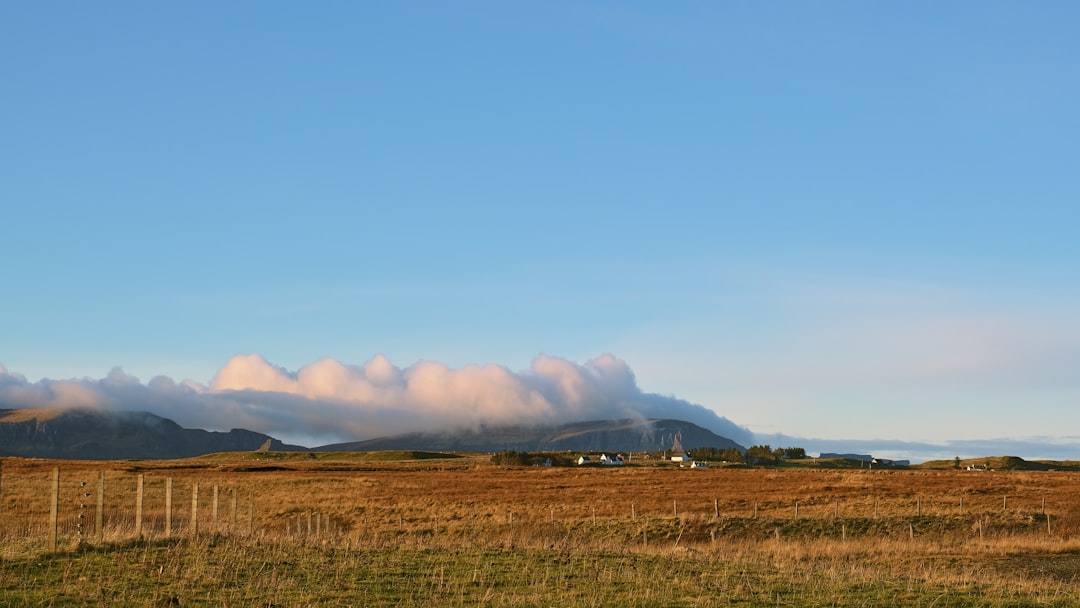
840 220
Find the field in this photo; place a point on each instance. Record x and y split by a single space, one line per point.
414 529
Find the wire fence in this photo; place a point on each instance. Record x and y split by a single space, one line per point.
50 511
45 509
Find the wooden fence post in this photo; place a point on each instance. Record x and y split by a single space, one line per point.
194 509
99 520
138 506
232 511
214 509
168 506
716 508
54 507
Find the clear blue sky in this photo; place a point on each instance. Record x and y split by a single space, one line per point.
841 219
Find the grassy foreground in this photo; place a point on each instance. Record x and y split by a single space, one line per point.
342 530
249 572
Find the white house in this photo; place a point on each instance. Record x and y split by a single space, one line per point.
611 460
584 460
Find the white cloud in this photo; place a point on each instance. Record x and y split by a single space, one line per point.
1029 448
335 401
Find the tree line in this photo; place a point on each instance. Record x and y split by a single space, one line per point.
757 454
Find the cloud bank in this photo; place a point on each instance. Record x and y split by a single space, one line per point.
330 401
1029 448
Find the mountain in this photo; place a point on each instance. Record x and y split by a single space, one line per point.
594 436
89 434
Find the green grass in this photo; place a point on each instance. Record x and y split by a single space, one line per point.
246 572
379 456
389 455
1004 463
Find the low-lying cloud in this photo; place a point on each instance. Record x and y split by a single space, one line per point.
1029 448
330 401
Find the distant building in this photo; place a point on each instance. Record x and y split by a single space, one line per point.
583 460
611 460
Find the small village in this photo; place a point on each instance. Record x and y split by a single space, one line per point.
704 458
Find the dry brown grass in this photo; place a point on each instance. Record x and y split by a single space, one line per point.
720 537
467 495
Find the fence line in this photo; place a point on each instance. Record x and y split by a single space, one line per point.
64 510
61 510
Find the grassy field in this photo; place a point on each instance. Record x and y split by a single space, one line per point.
411 529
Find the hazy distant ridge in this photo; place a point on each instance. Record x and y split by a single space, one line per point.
597 435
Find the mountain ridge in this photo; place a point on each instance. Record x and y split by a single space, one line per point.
92 434
627 435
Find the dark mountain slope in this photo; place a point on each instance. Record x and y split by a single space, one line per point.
89 434
600 435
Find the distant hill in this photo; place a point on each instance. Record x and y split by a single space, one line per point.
594 436
1003 463
88 434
